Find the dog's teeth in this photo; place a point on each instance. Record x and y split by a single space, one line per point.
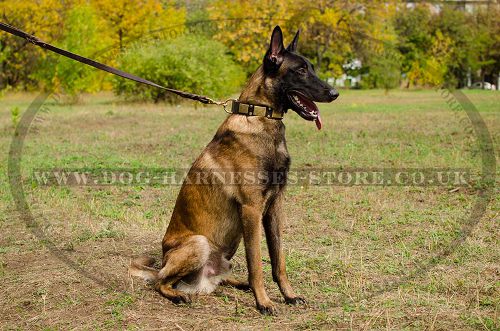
297 100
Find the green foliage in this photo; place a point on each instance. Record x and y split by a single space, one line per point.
82 37
190 63
18 58
413 26
245 26
432 47
129 20
81 26
383 71
486 42
442 48
457 26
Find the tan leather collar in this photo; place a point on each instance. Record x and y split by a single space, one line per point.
255 110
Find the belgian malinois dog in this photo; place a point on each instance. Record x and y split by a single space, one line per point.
209 221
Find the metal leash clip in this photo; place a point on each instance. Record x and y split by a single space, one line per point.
225 103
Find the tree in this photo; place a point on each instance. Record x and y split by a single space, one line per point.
383 70
326 23
83 34
56 22
245 26
459 28
130 20
414 37
375 44
18 58
487 44
329 29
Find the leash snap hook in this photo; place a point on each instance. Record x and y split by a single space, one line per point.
225 103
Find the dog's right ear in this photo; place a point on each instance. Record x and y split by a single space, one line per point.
274 55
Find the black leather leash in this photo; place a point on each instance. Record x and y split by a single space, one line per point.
34 40
236 108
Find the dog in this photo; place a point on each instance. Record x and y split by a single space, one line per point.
209 221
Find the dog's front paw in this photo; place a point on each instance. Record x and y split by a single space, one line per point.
295 301
267 309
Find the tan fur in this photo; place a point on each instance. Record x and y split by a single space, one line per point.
209 221
211 215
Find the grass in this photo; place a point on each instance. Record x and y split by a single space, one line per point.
357 254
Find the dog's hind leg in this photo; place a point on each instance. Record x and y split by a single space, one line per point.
236 283
188 257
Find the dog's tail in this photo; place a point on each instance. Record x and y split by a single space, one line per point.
143 267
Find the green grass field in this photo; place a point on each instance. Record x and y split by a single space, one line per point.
364 257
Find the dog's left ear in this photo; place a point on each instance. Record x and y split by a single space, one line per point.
293 45
274 55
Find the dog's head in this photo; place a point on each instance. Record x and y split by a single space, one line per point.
294 81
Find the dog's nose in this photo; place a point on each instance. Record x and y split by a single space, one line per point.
334 94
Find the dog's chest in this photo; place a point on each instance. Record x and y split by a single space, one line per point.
280 158
276 164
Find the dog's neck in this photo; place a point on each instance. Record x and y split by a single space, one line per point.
257 92
260 91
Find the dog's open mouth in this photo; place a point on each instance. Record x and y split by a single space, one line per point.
305 107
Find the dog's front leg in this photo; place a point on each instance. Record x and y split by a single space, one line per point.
251 217
273 225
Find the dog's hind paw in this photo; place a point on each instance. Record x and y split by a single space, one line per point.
181 298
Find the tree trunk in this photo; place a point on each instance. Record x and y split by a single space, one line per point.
120 36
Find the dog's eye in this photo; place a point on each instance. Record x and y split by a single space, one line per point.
302 70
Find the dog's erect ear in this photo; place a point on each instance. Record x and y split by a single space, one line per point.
274 55
293 45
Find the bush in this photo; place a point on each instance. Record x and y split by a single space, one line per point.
189 63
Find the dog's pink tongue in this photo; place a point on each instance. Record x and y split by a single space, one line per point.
318 122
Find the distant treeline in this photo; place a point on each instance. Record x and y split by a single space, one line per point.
209 46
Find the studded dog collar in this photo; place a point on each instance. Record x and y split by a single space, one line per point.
255 110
